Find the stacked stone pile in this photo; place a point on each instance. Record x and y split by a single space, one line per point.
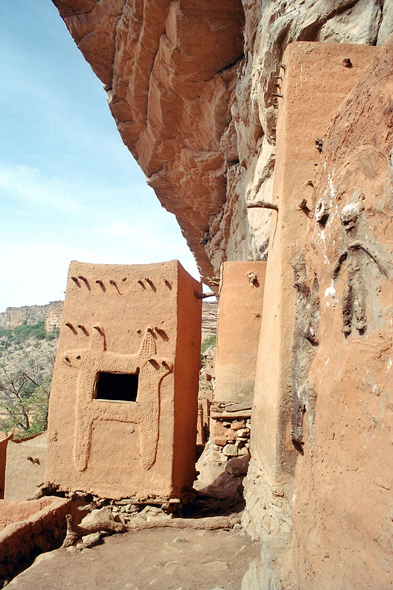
230 430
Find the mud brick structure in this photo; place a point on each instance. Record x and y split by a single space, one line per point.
25 466
28 529
315 82
239 326
285 432
123 405
4 439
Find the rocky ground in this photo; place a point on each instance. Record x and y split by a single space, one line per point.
158 559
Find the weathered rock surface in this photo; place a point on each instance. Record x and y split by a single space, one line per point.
191 84
160 559
209 318
32 314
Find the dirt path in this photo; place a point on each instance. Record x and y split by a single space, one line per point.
160 559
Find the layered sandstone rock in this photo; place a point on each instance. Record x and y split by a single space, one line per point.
191 86
209 318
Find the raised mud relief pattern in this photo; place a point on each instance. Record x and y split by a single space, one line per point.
144 412
306 339
365 259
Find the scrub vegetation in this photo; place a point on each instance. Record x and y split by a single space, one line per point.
27 355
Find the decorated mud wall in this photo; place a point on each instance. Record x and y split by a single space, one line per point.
317 488
286 401
343 478
123 404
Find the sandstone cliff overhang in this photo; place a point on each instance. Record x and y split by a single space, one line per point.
169 69
193 87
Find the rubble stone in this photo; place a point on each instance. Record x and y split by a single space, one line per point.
230 450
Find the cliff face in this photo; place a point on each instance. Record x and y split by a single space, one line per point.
191 86
31 314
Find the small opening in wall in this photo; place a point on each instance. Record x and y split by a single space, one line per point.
117 387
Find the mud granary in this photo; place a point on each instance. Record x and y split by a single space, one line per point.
122 415
266 128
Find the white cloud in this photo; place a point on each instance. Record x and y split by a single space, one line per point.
49 222
28 186
68 187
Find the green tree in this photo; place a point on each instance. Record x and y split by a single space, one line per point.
25 396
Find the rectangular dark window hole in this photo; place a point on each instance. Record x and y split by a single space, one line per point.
117 387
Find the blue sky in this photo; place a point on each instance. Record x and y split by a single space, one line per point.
69 189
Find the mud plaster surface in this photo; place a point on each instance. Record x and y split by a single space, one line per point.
310 100
154 559
239 321
342 503
139 319
339 511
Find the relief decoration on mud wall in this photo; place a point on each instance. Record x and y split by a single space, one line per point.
305 342
366 261
144 412
363 256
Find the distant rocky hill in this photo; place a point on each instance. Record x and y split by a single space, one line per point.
32 314
209 318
